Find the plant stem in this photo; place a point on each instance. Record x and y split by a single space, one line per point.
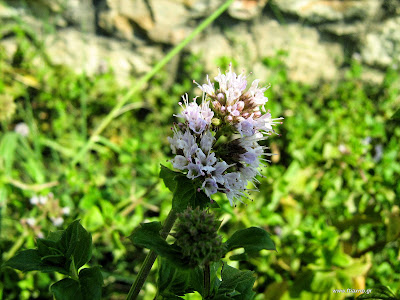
150 258
206 280
139 84
74 271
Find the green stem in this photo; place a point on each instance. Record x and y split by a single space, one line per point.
17 245
206 281
150 258
74 271
115 111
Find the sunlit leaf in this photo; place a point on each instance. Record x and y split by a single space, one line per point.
252 239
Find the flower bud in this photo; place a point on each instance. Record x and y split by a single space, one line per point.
240 105
216 121
196 235
257 114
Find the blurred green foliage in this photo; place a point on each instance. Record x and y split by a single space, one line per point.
330 198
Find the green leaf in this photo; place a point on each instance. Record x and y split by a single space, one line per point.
30 260
88 287
76 242
148 236
183 195
55 236
169 177
252 239
67 289
26 260
173 281
378 293
242 257
197 280
47 247
185 191
56 260
91 281
214 204
236 284
186 195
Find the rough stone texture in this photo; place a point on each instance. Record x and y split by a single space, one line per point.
318 11
309 59
91 54
207 49
80 13
203 8
136 10
317 34
381 47
246 9
343 29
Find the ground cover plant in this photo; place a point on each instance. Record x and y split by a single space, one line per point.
329 198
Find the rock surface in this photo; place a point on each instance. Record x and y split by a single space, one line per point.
381 46
246 9
320 11
130 35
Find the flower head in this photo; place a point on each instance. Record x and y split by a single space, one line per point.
229 109
196 236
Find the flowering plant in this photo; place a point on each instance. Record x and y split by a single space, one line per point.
216 149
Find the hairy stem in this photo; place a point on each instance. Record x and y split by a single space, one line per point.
150 258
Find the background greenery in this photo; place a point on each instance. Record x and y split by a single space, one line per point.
329 198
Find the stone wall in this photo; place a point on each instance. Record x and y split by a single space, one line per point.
320 36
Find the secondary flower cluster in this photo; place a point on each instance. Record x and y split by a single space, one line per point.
217 144
196 235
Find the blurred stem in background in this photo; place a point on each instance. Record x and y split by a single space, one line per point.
115 111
